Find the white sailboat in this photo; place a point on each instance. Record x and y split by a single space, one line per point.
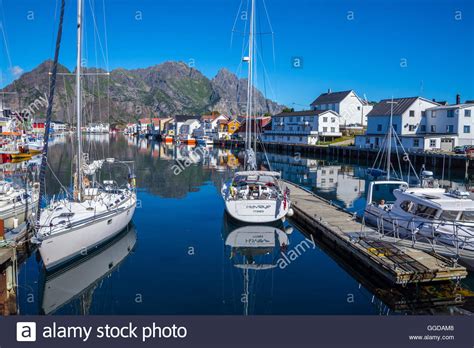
255 196
82 278
97 212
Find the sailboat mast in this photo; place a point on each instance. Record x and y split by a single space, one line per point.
250 77
79 101
389 145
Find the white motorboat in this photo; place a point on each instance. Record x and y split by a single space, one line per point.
255 196
435 213
96 212
425 210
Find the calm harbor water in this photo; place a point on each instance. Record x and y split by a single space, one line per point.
178 258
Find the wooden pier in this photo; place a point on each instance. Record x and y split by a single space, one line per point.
398 264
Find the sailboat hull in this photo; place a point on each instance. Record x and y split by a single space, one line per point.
63 247
257 211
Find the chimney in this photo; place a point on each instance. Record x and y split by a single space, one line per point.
329 91
458 99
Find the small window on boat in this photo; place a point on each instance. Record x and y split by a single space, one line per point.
407 206
449 215
425 211
467 216
109 222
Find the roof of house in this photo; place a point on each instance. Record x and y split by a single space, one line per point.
184 118
190 121
304 113
331 98
448 107
383 108
264 121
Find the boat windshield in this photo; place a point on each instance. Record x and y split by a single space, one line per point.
425 211
449 215
468 216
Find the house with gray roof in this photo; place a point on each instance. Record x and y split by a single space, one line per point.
408 121
351 108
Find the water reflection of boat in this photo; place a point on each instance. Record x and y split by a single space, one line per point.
80 279
254 248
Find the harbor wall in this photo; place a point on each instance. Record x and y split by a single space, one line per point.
367 157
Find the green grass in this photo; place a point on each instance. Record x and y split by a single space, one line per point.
337 140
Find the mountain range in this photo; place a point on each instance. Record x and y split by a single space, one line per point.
123 95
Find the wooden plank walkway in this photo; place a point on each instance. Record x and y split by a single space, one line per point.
398 264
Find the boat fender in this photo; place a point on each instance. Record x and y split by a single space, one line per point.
291 212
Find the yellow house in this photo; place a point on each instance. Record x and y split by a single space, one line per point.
227 128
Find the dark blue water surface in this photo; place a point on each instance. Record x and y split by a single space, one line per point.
181 265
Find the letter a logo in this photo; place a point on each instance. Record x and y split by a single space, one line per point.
26 332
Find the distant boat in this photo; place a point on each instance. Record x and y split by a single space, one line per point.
205 141
16 202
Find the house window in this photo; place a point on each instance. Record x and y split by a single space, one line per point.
433 114
367 140
467 129
358 108
377 141
433 128
323 171
423 128
325 119
412 128
467 113
301 139
379 128
423 113
333 119
325 129
394 127
449 128
416 142
412 113
451 113
333 129
288 138
433 143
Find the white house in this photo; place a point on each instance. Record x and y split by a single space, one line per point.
352 109
408 122
303 127
209 126
453 123
189 127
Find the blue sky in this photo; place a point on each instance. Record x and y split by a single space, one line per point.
379 48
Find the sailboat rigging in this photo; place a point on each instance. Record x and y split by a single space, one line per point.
69 228
255 196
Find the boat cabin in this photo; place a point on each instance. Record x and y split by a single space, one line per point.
255 185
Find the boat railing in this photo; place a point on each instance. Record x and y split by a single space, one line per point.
452 240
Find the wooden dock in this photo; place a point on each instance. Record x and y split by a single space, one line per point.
398 264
